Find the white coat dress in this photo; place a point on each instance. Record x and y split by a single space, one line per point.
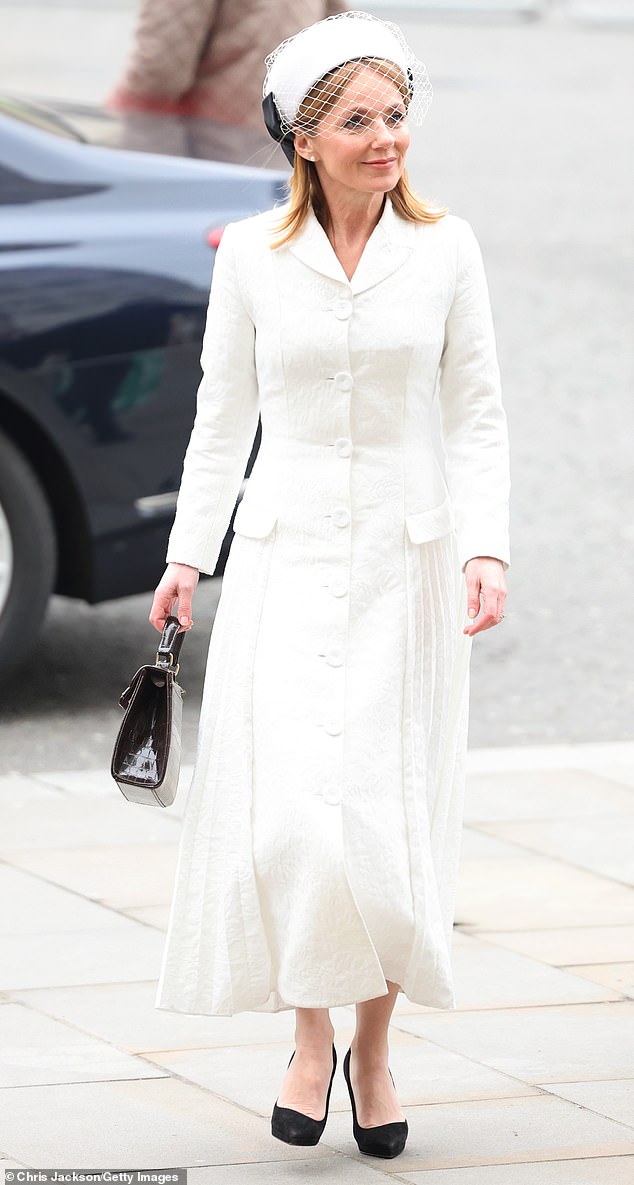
319 848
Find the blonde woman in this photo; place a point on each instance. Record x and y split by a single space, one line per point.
319 850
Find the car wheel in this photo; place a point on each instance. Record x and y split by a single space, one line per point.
27 555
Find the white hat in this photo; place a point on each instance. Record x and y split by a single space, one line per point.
300 61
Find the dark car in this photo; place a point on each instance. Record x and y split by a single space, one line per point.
105 263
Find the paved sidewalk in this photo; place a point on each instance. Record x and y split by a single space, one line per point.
530 1081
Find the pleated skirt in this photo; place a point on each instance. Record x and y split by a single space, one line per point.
319 849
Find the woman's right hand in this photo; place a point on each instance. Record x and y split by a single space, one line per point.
178 584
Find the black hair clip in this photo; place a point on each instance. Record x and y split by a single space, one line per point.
273 124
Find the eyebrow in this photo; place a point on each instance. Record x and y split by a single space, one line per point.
400 106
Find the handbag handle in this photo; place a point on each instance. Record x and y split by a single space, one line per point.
169 647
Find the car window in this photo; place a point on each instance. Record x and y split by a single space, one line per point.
39 117
20 189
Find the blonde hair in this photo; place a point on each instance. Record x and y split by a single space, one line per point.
305 187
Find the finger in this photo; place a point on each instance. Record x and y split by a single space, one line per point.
473 596
490 603
474 627
492 614
162 605
185 595
185 611
484 622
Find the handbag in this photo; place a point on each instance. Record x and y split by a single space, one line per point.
147 752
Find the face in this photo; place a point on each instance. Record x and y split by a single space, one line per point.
362 141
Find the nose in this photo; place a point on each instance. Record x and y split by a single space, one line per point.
382 133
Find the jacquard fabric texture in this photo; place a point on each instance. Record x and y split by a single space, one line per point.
320 843
206 57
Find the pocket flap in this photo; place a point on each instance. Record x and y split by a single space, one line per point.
255 521
425 525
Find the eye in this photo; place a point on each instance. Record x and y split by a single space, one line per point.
395 117
356 122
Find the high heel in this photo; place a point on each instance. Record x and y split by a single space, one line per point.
387 1140
295 1128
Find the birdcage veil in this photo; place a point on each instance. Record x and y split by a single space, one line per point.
307 74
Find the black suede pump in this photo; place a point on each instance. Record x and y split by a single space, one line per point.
387 1140
295 1128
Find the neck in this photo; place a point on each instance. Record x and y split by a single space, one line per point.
351 217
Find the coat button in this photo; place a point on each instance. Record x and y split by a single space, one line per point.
335 657
333 727
342 309
341 517
343 447
343 380
338 587
331 795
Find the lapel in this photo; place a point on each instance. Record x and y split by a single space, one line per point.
389 246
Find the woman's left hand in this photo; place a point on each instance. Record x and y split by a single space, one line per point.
486 593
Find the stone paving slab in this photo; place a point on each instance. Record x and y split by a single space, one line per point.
52 819
489 1131
158 1122
329 1169
518 795
505 894
487 976
564 1043
604 845
619 976
614 761
156 916
124 1014
424 1074
16 788
116 875
97 781
565 946
478 845
38 1051
600 1170
612 1098
124 952
77 786
529 1080
29 904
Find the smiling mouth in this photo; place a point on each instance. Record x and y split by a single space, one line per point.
390 161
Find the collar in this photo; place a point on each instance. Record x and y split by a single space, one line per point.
389 246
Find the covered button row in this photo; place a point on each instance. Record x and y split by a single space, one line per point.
334 656
340 516
342 308
343 380
333 727
338 586
343 447
331 794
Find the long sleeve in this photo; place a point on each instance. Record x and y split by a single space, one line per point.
225 424
473 419
169 40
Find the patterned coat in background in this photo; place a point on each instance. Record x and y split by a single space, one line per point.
206 57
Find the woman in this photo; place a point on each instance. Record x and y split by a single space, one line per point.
319 852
